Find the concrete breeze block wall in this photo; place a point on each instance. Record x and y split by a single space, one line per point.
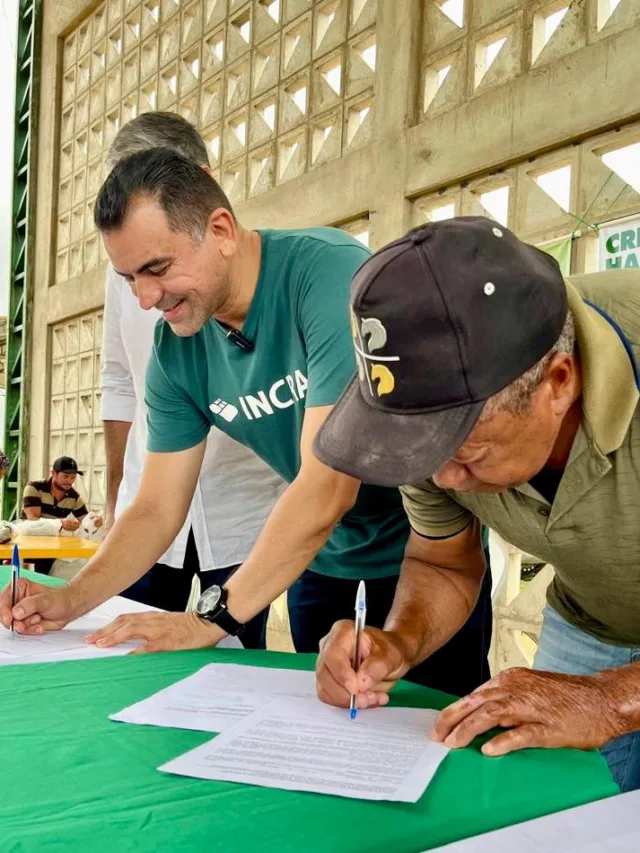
373 115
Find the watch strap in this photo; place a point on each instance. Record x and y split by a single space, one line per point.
221 617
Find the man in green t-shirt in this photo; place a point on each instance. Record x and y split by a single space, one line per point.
256 342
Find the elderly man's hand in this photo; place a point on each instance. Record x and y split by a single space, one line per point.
383 663
162 632
540 709
71 524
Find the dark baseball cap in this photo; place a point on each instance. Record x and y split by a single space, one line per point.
67 465
442 319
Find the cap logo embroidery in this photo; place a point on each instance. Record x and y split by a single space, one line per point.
371 336
386 382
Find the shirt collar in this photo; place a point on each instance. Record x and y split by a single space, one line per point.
609 391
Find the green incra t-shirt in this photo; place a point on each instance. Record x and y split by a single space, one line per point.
302 356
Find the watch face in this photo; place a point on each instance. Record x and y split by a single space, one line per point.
209 600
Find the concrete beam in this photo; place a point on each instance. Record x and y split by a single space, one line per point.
580 94
77 296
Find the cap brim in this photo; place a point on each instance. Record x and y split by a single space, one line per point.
387 449
67 471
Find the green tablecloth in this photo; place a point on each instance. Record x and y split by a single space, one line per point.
73 781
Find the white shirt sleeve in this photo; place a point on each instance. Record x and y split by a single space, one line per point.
117 386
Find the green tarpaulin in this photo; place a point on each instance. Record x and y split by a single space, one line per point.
561 251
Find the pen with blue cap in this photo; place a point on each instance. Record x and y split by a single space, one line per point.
15 577
361 615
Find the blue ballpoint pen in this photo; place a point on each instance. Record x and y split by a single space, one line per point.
15 577
361 615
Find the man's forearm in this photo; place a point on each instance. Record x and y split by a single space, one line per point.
430 606
139 537
299 525
622 687
116 434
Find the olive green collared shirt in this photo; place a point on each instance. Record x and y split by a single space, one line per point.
591 531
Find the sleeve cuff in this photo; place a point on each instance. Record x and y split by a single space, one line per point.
435 537
117 408
156 445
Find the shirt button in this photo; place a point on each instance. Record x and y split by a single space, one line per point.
544 510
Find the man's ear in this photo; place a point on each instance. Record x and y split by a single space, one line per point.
564 380
223 227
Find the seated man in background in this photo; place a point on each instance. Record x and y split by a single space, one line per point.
56 498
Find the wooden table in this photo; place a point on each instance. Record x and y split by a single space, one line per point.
49 547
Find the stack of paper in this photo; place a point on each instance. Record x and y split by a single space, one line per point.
277 734
69 643
217 696
303 745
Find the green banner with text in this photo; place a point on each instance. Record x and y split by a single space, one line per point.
620 246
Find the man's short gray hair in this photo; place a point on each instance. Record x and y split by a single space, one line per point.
516 397
158 130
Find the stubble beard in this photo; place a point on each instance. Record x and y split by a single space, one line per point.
199 313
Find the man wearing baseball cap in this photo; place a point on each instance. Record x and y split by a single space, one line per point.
496 393
56 498
67 465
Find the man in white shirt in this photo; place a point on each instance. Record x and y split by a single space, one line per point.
236 489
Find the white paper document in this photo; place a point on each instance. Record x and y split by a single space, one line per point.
607 826
217 696
69 643
303 745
